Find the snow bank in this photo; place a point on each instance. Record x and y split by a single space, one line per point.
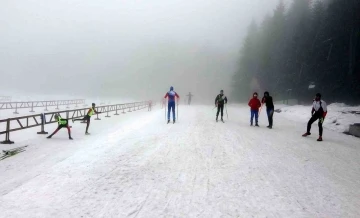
339 116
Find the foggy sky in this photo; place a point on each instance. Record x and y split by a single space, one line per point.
123 48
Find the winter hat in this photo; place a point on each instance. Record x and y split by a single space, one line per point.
318 95
266 93
221 91
171 88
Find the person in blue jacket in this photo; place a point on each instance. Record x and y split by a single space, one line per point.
171 95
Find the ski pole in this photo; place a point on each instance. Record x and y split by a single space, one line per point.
260 111
177 111
226 112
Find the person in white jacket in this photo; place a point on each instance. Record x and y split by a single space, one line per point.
318 112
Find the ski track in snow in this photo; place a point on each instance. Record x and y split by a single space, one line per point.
143 167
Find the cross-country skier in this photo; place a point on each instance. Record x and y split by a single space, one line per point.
318 112
189 99
254 104
61 124
149 105
220 101
87 117
171 95
268 101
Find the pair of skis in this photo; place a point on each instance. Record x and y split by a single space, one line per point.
12 152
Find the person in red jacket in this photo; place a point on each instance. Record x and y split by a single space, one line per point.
254 104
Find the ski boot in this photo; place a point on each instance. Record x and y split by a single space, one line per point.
168 121
70 138
319 139
270 127
173 121
87 133
216 118
257 125
49 137
222 120
306 134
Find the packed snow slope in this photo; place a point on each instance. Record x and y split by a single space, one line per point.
136 165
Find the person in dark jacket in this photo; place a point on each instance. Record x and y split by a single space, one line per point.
220 100
318 112
254 105
189 99
62 123
268 101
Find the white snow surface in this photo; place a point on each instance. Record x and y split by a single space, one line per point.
136 165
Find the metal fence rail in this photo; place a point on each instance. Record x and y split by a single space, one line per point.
35 104
20 123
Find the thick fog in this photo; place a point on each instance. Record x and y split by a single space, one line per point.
123 48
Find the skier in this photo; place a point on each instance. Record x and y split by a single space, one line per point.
220 100
87 117
254 104
61 123
171 102
189 99
268 101
318 112
149 105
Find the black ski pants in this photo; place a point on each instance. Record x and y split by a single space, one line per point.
220 107
315 117
270 114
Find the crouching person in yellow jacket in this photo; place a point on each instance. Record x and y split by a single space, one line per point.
61 124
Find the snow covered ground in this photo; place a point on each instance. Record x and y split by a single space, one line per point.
135 165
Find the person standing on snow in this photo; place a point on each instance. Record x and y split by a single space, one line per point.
61 124
318 112
189 99
149 105
220 100
171 95
268 101
87 117
254 104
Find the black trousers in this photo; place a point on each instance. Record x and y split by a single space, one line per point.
315 117
220 108
270 114
87 118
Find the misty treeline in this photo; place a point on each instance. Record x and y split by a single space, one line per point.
312 44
